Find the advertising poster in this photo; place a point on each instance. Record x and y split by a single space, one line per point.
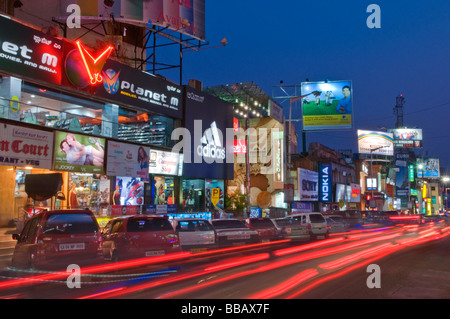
308 185
207 119
428 168
79 153
166 163
325 183
127 160
23 147
128 191
184 16
327 105
379 143
407 137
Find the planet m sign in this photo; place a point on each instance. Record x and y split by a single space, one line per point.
325 183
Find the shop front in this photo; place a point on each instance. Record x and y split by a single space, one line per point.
74 109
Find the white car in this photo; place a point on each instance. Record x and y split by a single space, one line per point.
233 232
195 233
290 228
315 222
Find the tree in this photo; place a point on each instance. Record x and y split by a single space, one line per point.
236 202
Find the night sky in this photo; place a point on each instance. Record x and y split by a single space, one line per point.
289 41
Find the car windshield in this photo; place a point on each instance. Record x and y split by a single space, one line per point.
67 223
148 224
287 222
194 225
261 222
226 223
316 218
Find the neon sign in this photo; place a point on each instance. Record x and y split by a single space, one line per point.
94 65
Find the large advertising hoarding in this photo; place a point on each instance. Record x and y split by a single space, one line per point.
127 160
79 153
428 168
330 107
407 137
308 182
184 16
207 119
25 147
376 143
29 53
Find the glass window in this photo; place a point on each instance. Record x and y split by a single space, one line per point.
69 224
148 224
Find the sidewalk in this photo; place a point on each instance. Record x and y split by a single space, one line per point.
7 245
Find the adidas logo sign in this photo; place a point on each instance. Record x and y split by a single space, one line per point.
211 144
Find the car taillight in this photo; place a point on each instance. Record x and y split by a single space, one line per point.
100 241
308 225
174 240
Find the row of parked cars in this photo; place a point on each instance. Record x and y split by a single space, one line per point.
51 237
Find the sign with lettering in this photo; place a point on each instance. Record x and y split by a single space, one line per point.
25 147
325 183
308 185
28 52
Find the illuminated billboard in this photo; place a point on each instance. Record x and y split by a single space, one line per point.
407 137
373 142
327 105
428 168
127 160
184 16
79 153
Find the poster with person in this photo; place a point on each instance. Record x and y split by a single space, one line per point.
327 105
79 153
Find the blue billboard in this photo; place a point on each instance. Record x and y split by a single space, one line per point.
325 183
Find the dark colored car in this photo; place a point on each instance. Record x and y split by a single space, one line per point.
139 236
55 239
266 229
233 232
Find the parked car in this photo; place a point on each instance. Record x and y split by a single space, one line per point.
291 228
194 233
231 232
139 236
58 238
336 224
266 229
316 223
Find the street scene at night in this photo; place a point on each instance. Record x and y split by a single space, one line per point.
223 159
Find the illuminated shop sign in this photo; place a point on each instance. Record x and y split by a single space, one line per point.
25 147
165 163
308 185
325 183
27 52
93 65
126 85
207 119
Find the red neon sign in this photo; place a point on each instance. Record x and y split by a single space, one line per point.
94 65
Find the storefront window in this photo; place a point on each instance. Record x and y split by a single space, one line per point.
193 195
88 191
163 190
